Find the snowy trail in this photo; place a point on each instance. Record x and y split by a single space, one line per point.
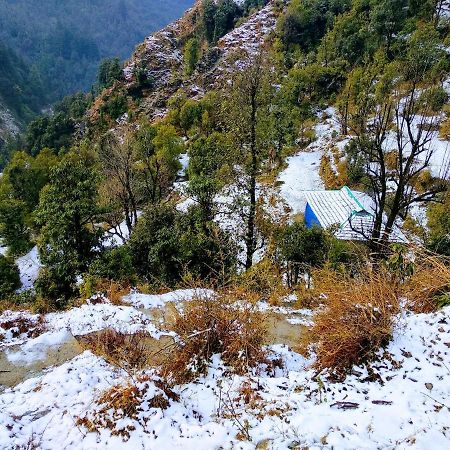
302 173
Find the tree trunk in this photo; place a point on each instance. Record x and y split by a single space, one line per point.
250 237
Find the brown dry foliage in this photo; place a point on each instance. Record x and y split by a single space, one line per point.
333 178
124 401
208 326
111 290
431 279
327 174
264 281
22 324
356 320
128 351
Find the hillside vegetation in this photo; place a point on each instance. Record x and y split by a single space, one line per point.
156 227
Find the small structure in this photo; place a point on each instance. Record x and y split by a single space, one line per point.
347 213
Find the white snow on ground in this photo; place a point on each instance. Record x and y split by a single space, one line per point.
36 348
89 318
3 250
184 161
115 237
61 327
13 335
407 408
58 396
29 266
439 162
302 173
156 301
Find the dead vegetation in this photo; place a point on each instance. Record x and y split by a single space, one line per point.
228 324
356 320
95 289
127 351
16 324
264 281
428 288
333 169
128 401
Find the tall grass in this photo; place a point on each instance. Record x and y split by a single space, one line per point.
356 320
227 324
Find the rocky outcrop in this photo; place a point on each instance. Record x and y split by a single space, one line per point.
9 125
160 56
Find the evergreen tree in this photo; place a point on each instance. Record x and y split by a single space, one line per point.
110 70
208 158
20 187
69 238
9 277
247 120
191 55
208 12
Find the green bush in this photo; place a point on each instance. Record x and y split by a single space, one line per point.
438 214
154 245
300 249
167 245
115 106
207 252
9 277
56 285
67 242
346 257
114 264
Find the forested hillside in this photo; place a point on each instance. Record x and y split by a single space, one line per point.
63 41
22 96
239 88
160 232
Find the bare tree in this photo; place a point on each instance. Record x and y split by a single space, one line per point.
396 123
116 157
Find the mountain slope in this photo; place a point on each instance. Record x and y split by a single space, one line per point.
21 96
161 57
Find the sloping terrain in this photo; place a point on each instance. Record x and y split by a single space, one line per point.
161 57
64 41
405 407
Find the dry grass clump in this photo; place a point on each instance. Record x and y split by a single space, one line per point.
429 286
307 298
127 351
264 280
119 406
357 319
98 288
15 324
211 325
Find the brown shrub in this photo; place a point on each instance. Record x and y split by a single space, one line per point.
18 323
307 298
264 281
128 351
211 325
327 173
357 319
429 282
124 401
100 289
